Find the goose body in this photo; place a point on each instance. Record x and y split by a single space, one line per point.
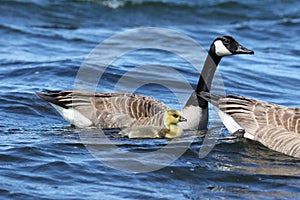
275 126
117 110
169 130
106 110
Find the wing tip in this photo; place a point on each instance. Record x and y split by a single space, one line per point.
50 96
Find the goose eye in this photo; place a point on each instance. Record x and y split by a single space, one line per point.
175 116
226 41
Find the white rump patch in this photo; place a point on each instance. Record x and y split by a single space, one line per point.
231 125
220 49
73 116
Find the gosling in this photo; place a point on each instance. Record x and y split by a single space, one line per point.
171 130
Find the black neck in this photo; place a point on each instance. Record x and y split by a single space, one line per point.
206 77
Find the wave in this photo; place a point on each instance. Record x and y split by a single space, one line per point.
215 8
115 4
119 4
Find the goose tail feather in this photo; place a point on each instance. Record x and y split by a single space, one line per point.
51 97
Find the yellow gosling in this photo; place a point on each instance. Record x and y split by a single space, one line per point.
170 129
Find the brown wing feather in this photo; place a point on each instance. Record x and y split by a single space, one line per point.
275 126
279 139
110 110
253 114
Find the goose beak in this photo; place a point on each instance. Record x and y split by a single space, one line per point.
182 119
243 50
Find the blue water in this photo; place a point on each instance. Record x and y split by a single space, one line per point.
43 45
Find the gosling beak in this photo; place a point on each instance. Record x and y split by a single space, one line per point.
243 50
182 119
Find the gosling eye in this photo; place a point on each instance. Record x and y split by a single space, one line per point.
175 116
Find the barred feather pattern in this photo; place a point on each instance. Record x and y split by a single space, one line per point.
275 126
110 110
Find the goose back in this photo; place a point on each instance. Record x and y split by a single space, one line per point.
110 110
275 126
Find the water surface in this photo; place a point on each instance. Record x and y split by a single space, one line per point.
43 44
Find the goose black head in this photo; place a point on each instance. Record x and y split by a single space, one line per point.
227 45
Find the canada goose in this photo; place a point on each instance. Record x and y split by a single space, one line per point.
115 110
275 126
169 130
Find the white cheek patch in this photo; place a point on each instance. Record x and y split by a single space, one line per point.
220 49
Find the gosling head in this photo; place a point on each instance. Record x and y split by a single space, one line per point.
172 117
227 45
